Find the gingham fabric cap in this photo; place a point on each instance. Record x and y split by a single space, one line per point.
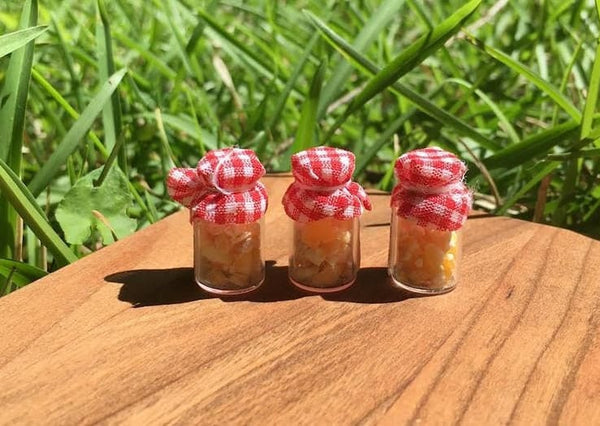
223 188
323 186
430 189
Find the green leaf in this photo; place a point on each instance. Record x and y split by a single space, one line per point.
408 59
521 69
19 197
13 41
71 140
20 273
86 208
592 97
13 101
534 146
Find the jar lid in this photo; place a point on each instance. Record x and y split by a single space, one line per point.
430 189
323 186
223 188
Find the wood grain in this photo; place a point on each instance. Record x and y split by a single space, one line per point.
125 336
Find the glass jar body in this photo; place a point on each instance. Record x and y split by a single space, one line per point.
325 254
228 258
423 260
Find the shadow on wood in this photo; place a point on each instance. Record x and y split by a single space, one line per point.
153 287
371 286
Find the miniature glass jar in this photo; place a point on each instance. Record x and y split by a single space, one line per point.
423 260
227 205
429 204
325 206
228 257
325 254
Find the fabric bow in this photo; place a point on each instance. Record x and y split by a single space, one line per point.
323 186
223 188
430 189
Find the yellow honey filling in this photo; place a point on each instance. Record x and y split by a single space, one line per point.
425 257
323 253
228 256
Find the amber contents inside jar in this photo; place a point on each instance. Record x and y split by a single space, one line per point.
325 254
423 260
228 257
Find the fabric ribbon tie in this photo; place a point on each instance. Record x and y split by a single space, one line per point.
323 186
223 188
431 190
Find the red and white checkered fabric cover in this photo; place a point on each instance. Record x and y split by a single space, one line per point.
323 186
430 189
223 188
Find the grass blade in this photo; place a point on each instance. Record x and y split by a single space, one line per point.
20 273
169 9
541 170
45 84
305 136
17 39
521 69
420 101
111 114
502 119
68 60
533 146
168 158
257 61
376 23
592 97
567 192
152 59
71 140
414 54
13 101
20 198
565 78
582 153
365 158
281 101
408 59
184 123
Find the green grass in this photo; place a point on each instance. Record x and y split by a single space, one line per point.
510 86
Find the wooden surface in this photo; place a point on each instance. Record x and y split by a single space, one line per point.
124 335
